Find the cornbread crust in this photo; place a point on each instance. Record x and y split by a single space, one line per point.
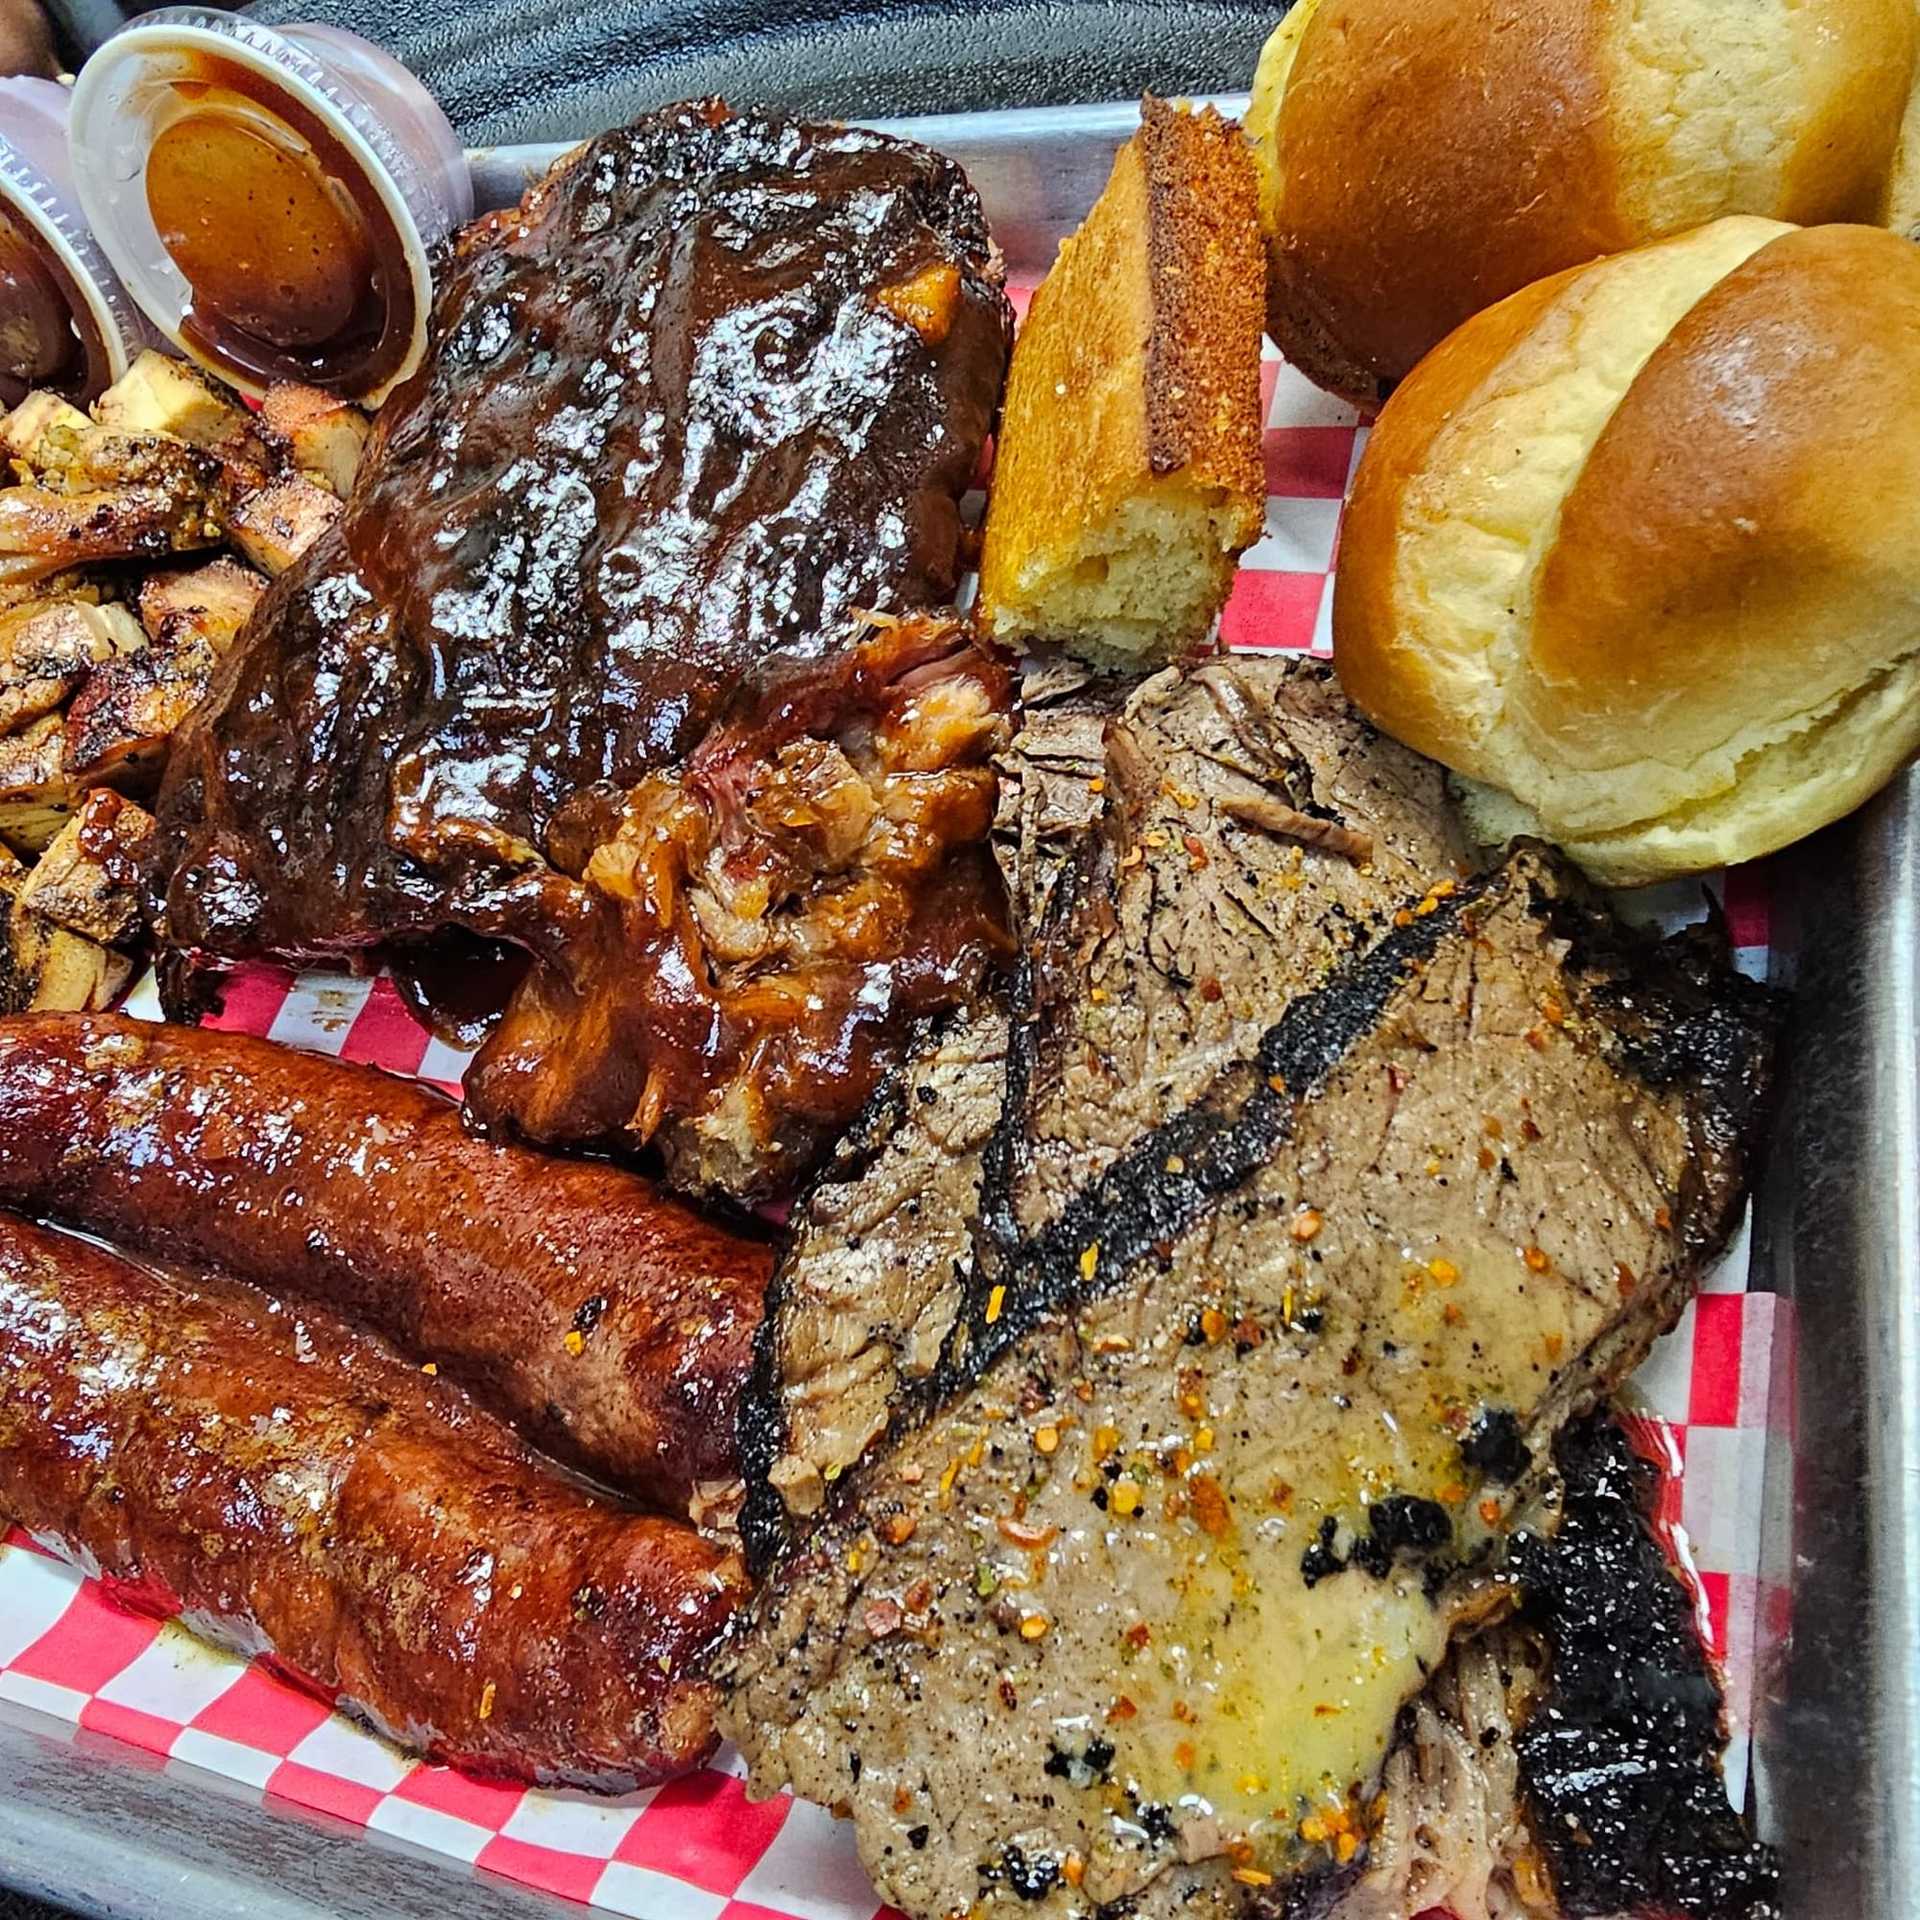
1128 473
1198 357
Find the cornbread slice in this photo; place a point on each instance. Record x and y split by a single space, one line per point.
1128 470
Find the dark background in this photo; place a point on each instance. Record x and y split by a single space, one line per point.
512 70
509 70
576 71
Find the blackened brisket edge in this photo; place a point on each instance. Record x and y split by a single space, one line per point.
1620 1764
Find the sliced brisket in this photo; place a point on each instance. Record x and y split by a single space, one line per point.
886 1238
1565 1763
1278 1298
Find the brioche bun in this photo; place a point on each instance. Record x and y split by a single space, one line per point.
1421 159
1636 547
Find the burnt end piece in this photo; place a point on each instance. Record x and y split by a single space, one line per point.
1621 1763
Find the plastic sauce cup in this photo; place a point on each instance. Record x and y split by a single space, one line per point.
66 323
269 197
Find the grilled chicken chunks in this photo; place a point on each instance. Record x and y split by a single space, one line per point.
387 1542
609 1323
1328 1183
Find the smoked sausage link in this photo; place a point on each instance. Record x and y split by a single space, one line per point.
291 1486
609 1324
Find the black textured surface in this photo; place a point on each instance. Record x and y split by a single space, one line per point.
1621 1764
506 71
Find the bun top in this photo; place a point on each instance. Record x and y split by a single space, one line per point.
1636 546
1421 161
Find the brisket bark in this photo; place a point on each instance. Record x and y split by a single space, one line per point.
1620 1762
1566 1763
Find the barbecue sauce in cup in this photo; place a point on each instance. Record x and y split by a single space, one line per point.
67 326
270 196
47 336
294 265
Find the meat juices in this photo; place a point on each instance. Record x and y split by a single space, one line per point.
713 390
1328 1184
381 1538
609 1323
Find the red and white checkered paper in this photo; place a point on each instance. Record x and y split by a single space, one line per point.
696 1849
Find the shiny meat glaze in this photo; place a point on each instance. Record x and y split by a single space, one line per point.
293 1487
714 387
771 921
1129 1600
609 1323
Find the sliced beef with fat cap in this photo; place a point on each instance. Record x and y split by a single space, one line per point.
1277 1299
1256 833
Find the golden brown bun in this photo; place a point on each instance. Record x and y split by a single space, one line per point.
1421 159
1127 473
1636 547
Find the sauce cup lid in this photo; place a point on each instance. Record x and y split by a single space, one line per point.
372 115
37 190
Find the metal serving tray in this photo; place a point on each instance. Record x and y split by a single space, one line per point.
115 1833
1837 1694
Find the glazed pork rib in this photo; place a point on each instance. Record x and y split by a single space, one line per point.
770 922
1328 1185
712 391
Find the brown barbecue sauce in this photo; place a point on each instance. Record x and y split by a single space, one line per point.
296 268
47 337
